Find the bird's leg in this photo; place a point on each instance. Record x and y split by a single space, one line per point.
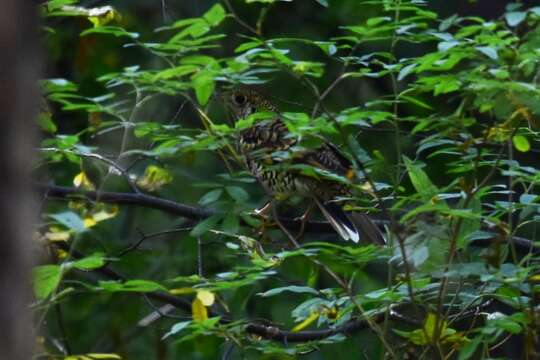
303 220
266 222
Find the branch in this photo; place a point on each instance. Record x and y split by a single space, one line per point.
144 200
273 333
153 202
196 213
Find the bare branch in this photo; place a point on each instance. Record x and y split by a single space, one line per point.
196 213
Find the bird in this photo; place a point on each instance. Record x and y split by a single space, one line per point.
258 142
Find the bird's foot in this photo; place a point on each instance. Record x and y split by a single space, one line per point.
303 220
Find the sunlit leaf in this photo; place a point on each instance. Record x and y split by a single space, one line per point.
420 180
91 356
45 280
521 143
215 15
81 180
198 310
154 178
203 83
89 263
206 297
131 286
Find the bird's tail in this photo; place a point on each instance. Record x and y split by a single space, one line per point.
350 225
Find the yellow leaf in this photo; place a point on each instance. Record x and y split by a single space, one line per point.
198 310
154 178
430 325
499 133
103 356
61 254
89 222
105 214
308 321
350 174
182 291
81 180
207 297
93 356
57 235
331 313
98 16
366 187
103 15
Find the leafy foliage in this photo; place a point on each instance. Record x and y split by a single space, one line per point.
445 152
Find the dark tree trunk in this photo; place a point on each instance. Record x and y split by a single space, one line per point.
18 38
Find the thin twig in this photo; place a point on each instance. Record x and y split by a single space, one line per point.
101 158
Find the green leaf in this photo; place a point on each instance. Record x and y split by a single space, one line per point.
508 324
211 196
203 83
70 220
469 349
131 285
230 223
323 2
205 225
266 1
237 193
521 143
46 279
447 45
110 30
91 262
46 123
489 51
470 225
58 85
416 101
420 180
406 70
429 325
215 15
515 18
446 85
292 288
328 47
177 71
57 4
176 328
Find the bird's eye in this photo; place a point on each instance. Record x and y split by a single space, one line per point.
239 99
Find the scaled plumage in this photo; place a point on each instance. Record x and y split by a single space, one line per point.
257 144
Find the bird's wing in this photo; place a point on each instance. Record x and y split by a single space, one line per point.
267 135
328 157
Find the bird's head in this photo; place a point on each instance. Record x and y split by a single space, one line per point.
245 101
